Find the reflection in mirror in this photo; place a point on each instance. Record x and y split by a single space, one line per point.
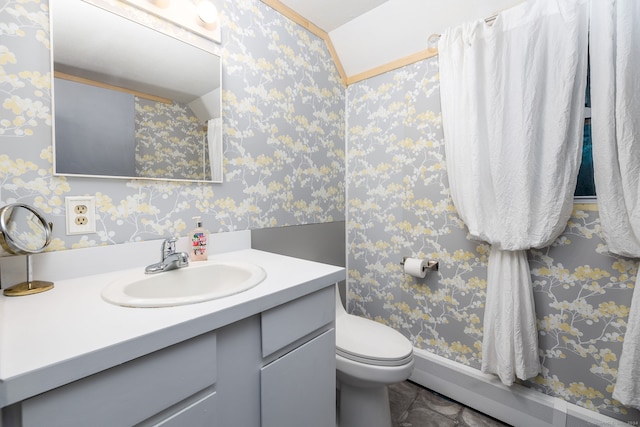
24 231
131 102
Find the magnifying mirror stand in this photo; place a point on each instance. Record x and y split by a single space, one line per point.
30 286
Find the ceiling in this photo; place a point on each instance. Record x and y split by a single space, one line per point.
132 56
331 14
368 34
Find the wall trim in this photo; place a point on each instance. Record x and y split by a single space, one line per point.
516 405
286 11
591 206
393 65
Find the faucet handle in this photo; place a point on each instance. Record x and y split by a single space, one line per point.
183 259
168 247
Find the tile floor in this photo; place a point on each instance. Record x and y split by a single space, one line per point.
414 406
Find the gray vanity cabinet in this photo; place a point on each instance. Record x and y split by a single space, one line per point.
180 377
277 369
272 369
297 387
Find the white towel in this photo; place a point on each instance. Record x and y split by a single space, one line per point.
214 138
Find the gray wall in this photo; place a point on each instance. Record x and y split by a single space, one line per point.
315 242
95 130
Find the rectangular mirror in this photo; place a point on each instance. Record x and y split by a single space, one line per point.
132 102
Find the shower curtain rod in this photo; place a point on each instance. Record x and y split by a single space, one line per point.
429 52
432 41
490 19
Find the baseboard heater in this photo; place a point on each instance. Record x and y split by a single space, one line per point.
516 405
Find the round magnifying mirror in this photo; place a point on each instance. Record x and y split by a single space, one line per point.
24 231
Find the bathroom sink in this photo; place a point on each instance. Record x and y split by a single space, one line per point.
200 281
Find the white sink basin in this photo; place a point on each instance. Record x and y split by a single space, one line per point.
200 281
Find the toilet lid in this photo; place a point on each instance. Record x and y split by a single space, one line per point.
367 341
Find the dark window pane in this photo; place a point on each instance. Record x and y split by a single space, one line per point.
586 186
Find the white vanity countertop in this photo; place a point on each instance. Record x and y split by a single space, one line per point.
59 336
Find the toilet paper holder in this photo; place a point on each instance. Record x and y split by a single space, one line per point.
432 265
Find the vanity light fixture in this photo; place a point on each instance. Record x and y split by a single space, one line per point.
161 3
201 17
208 14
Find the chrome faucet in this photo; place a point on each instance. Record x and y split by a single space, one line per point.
170 258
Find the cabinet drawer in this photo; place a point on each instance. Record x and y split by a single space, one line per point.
129 393
287 323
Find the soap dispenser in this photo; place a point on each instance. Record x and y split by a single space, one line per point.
199 240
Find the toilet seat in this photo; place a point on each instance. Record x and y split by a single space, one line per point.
366 341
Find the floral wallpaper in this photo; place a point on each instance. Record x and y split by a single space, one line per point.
399 205
170 141
284 131
283 127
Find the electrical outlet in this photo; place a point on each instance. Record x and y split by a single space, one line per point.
80 209
81 214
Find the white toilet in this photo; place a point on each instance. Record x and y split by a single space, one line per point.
369 356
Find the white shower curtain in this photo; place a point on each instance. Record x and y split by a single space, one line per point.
214 138
615 121
512 98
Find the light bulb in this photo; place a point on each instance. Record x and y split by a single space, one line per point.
208 14
161 3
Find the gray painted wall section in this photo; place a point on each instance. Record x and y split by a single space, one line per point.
323 242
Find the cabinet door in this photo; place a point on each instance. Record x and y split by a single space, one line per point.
200 413
299 388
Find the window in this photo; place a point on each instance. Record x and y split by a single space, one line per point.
586 186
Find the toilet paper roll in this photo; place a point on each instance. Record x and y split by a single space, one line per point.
415 267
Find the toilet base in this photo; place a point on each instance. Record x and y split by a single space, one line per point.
364 406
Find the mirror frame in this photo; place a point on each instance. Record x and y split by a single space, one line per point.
181 34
